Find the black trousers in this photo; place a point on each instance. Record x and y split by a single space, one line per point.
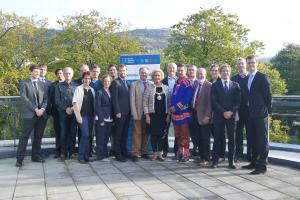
102 136
165 142
56 126
219 127
120 135
258 128
194 136
201 135
222 142
37 124
241 124
68 126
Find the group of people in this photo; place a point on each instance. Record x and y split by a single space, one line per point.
197 108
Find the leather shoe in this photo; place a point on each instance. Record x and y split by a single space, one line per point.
135 159
250 166
258 171
121 159
82 161
165 154
232 166
19 163
39 160
214 165
146 156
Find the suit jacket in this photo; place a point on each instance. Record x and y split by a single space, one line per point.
51 98
203 106
103 105
260 96
136 98
222 102
28 97
244 90
120 97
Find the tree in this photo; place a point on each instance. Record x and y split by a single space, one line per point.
91 39
210 36
287 62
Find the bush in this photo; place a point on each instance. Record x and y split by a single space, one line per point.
278 131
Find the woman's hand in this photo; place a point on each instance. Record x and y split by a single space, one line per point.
148 119
79 120
168 119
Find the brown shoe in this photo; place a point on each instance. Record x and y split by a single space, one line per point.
62 157
73 156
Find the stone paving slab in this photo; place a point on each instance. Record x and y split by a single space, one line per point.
145 179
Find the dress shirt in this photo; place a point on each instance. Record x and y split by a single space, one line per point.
251 77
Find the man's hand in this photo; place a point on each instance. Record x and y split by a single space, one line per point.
206 120
172 109
228 114
135 117
102 124
148 121
118 115
69 110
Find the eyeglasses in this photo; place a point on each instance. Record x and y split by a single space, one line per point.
250 62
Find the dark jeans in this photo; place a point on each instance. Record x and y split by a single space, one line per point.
67 132
121 134
241 124
37 124
102 136
258 128
86 131
165 142
56 126
219 126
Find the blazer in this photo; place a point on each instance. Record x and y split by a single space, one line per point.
149 98
222 102
103 106
136 98
203 107
244 90
260 96
120 96
28 97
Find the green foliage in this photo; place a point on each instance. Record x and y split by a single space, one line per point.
210 36
278 131
277 84
287 62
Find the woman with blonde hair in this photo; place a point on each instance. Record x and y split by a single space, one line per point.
156 103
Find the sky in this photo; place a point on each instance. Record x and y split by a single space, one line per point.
275 23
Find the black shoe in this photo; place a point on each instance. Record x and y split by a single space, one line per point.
221 159
258 171
19 163
184 159
165 154
135 159
82 161
214 165
121 159
146 156
232 166
39 160
250 166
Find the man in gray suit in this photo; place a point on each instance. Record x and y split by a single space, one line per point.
34 103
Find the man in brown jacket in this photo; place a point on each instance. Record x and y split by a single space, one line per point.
139 136
202 114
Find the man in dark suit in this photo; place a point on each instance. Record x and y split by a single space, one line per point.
201 115
170 81
54 109
259 100
226 98
121 109
33 112
243 112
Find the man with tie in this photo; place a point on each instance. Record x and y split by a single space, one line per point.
139 135
259 100
54 109
243 112
169 81
201 115
34 117
121 108
226 98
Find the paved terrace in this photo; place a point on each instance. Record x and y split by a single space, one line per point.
145 179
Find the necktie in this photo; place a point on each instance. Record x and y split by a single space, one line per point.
197 95
125 83
145 85
226 87
36 93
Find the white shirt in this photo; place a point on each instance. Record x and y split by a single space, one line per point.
223 83
251 77
199 86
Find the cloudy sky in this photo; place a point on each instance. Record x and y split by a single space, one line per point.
272 22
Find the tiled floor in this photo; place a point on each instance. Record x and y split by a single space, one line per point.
142 180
